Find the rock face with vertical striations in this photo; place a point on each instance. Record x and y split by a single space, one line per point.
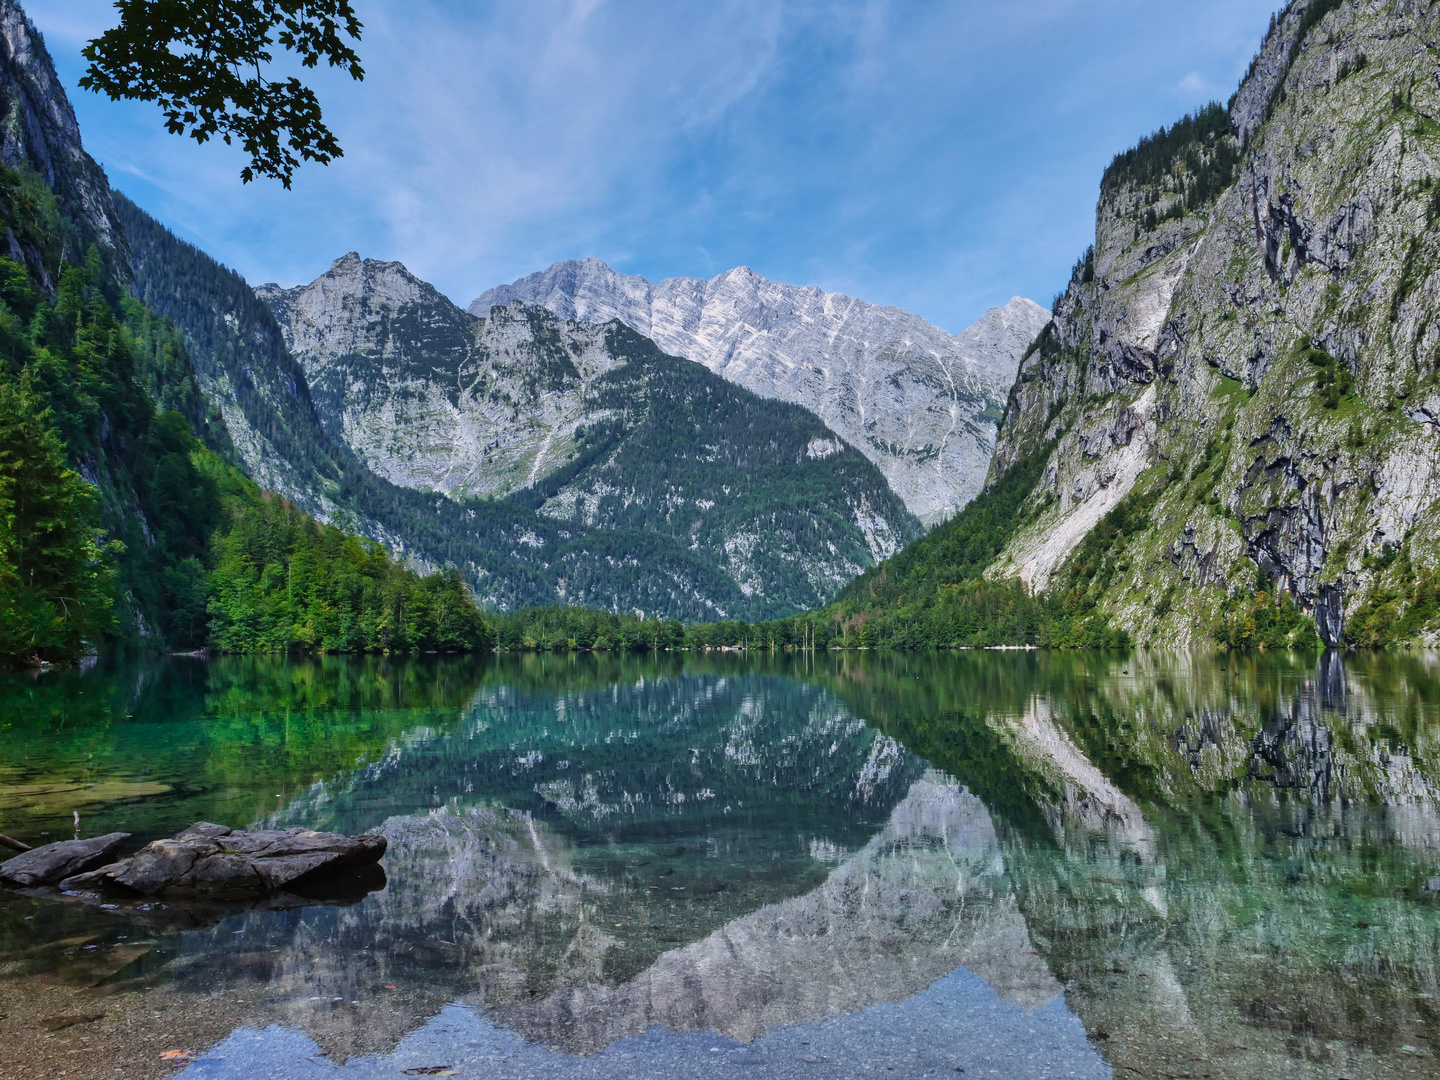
918 402
1239 396
632 478
38 132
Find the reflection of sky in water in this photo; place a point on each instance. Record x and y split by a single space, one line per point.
1223 862
761 861
956 1026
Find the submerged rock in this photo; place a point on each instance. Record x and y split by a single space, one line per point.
51 863
215 861
178 911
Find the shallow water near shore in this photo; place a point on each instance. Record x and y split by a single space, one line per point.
976 864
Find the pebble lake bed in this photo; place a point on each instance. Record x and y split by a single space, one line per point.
978 864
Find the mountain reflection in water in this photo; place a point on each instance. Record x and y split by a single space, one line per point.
1014 865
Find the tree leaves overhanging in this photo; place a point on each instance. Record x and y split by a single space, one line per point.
204 62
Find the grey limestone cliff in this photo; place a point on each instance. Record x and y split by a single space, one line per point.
610 443
1252 371
38 132
918 402
429 396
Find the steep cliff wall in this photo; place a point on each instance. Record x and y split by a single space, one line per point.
1244 367
38 133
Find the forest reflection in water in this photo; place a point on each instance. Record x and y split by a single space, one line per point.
1163 864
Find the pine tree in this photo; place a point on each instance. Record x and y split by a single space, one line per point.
55 593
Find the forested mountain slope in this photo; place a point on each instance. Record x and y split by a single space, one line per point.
921 404
1228 430
114 519
100 510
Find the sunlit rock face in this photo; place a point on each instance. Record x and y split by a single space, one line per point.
640 481
918 402
1258 364
426 395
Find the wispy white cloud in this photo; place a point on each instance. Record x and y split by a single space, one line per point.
1194 84
942 157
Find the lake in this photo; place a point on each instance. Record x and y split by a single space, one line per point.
978 864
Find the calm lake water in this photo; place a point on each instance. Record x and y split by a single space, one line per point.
980 864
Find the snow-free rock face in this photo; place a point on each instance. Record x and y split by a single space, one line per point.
38 132
918 402
1248 357
597 438
428 396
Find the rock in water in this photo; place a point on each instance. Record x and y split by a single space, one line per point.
216 861
54 862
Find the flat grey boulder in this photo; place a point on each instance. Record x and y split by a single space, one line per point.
51 863
212 860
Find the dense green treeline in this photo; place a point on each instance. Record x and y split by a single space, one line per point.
113 554
55 587
933 594
282 581
118 528
568 629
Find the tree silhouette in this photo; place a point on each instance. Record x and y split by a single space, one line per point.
204 62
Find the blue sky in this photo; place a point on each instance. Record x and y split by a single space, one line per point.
942 156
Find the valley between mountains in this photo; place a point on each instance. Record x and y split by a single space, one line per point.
551 455
1223 432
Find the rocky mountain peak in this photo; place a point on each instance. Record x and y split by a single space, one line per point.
1004 333
350 278
596 442
344 308
576 289
918 402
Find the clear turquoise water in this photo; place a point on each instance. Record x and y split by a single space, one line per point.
1011 864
